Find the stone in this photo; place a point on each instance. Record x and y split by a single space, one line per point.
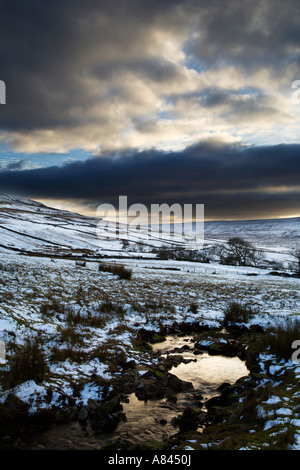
110 406
201 418
129 365
198 395
92 404
161 376
163 421
105 426
107 416
179 385
174 421
82 414
189 420
171 399
156 338
223 386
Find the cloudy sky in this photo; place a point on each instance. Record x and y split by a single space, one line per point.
173 101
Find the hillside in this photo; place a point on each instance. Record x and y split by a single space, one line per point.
269 232
31 227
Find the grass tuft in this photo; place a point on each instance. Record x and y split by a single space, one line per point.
238 313
116 269
28 363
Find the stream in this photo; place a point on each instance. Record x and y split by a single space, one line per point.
207 373
152 419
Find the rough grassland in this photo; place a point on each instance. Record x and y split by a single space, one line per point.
86 321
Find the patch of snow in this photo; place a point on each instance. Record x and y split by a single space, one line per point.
284 411
273 400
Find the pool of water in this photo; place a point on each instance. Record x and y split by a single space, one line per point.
206 372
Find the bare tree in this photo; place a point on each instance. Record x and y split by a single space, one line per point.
296 253
218 251
243 253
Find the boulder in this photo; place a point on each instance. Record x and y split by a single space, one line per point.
157 384
189 420
106 417
129 365
156 338
82 414
179 385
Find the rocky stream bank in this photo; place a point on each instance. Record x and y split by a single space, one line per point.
157 409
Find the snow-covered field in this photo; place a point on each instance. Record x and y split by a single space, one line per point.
154 294
80 308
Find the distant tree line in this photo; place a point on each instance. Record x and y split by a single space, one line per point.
180 254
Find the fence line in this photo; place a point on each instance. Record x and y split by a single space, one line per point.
218 271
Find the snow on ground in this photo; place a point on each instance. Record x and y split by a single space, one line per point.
30 226
154 294
63 303
273 232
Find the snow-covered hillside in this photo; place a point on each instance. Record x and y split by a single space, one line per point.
31 227
269 232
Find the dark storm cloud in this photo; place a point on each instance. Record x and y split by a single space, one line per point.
48 50
252 32
51 51
229 179
238 105
18 165
105 75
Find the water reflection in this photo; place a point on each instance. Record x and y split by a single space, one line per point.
209 372
153 419
206 372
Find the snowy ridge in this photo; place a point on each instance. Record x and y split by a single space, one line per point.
31 227
268 232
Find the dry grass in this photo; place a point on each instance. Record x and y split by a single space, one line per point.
27 363
117 270
236 312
